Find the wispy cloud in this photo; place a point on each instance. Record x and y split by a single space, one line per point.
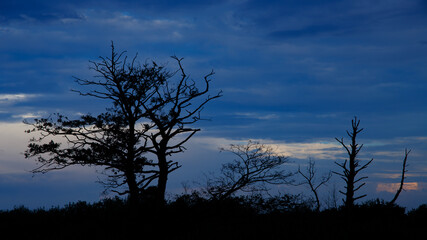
398 175
318 149
323 150
11 147
309 31
392 187
149 29
29 115
18 97
393 154
258 116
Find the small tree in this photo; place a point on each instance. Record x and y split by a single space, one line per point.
351 167
310 180
256 166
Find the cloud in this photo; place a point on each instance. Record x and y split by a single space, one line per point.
308 31
393 154
29 115
258 116
151 29
399 175
11 148
14 143
392 187
43 11
318 149
19 97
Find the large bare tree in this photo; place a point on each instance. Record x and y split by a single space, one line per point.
147 112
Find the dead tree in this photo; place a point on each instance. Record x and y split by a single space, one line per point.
402 178
256 166
351 168
310 180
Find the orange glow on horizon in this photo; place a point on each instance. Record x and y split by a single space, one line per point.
392 187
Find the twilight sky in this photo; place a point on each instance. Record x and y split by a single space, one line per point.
293 75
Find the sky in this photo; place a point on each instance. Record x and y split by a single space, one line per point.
293 75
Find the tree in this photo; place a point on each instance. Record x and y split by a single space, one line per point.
171 114
402 178
310 180
350 170
119 139
255 166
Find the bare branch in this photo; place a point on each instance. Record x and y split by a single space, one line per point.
402 178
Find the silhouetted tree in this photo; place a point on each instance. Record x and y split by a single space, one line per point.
351 167
402 178
255 166
171 113
147 113
310 180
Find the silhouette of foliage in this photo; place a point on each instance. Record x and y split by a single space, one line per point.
195 217
280 203
419 213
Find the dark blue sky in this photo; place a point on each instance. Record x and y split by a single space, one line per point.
293 74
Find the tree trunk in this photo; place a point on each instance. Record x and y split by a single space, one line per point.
133 188
163 177
317 200
130 174
349 202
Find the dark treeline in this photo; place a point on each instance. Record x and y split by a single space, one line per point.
189 216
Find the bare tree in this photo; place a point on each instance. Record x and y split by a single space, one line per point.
351 168
402 178
172 112
310 180
256 166
147 113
